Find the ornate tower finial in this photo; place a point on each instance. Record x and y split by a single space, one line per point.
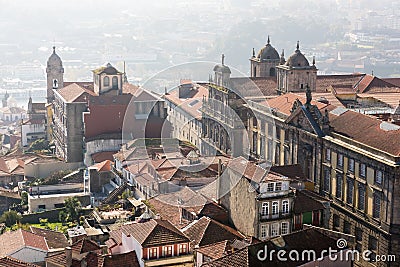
268 41
298 46
54 49
313 60
254 52
283 53
223 59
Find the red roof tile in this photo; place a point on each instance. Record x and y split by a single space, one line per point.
74 93
11 262
208 231
13 240
54 239
103 166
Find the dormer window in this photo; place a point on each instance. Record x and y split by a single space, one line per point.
115 82
106 81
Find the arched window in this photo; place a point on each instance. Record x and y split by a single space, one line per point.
272 72
106 81
115 82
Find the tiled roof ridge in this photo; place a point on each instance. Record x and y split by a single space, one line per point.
15 260
246 249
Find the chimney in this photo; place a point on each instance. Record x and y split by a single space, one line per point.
68 256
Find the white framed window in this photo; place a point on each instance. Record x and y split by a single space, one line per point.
264 231
270 187
285 206
278 186
275 207
265 208
274 229
167 251
152 253
284 228
182 249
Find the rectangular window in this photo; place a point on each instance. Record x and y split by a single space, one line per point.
351 165
270 187
363 170
377 205
350 190
328 155
264 231
278 186
274 207
346 227
361 196
42 207
378 177
339 184
359 234
284 228
327 179
182 249
167 251
285 206
336 221
340 160
152 253
270 130
265 209
270 150
274 229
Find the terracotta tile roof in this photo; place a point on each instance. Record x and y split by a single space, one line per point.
299 241
102 156
191 103
330 97
11 262
86 85
128 88
166 206
104 166
367 131
324 82
394 81
222 248
155 232
128 259
74 93
254 87
145 95
208 231
284 103
84 245
54 239
294 171
304 203
13 240
370 83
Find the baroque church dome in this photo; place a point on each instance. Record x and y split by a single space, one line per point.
297 59
268 52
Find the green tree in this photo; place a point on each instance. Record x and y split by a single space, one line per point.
10 218
24 198
73 208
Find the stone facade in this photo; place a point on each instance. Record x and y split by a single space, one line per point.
55 75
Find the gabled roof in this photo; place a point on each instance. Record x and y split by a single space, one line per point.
84 245
370 83
11 262
13 240
54 239
154 232
208 231
104 166
74 93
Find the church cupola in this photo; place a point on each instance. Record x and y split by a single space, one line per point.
55 74
108 80
296 73
263 65
222 73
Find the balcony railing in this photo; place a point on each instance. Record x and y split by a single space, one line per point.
272 217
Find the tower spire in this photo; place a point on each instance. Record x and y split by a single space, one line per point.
298 46
313 60
54 49
268 41
254 52
223 59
